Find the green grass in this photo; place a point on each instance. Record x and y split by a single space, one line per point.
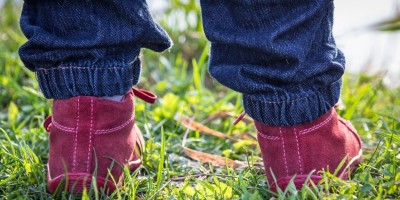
180 79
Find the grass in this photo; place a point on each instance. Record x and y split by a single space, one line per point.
180 79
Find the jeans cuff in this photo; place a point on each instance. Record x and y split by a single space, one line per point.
85 79
292 109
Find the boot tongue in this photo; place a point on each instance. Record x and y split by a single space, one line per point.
300 128
111 114
106 114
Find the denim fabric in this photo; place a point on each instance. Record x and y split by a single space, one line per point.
279 53
79 47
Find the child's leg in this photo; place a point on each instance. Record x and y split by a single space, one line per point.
81 51
281 55
87 47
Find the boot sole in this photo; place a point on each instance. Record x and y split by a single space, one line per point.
76 182
305 179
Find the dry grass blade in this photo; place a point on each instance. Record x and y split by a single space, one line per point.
247 136
183 178
192 125
207 157
212 159
224 114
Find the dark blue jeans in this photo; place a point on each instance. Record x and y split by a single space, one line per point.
280 54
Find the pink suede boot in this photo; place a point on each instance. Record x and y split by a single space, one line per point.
298 150
91 135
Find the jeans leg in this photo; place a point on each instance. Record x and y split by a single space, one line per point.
279 53
88 47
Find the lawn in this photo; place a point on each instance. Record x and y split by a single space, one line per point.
179 77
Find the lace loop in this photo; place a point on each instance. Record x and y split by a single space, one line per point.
239 118
47 123
145 95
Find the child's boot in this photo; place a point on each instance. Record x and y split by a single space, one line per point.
308 148
91 137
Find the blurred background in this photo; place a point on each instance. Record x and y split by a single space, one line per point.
366 31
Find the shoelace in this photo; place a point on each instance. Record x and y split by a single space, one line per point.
239 118
144 95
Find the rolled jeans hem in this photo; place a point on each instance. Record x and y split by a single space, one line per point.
82 79
290 112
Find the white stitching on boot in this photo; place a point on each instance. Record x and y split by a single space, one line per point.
302 132
104 131
284 152
298 151
76 139
268 137
61 127
90 135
